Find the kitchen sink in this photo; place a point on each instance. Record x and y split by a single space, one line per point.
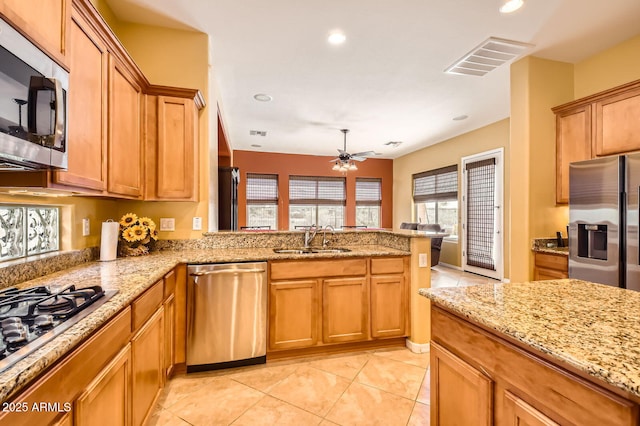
312 250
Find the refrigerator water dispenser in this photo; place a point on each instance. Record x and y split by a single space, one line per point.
592 241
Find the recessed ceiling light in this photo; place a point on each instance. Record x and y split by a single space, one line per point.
511 6
262 97
336 37
460 117
255 145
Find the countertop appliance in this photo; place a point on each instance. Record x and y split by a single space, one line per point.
228 180
226 315
603 221
33 105
31 317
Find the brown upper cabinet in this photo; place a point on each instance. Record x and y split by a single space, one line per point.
124 161
89 60
171 160
126 137
602 124
45 23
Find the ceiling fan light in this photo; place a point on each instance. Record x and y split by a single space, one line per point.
336 166
353 166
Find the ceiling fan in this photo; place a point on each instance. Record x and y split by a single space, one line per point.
345 161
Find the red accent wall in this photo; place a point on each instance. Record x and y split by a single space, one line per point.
285 165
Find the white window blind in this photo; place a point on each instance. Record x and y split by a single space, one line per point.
317 190
435 185
262 188
368 191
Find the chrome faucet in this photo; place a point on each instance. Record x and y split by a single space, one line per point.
324 235
308 235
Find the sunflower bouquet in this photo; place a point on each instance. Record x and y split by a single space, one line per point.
137 235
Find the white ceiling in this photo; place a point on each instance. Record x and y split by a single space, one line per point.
386 82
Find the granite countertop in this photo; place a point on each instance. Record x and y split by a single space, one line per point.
550 246
131 276
592 327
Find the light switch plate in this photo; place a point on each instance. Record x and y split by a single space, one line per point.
197 223
167 224
86 227
422 260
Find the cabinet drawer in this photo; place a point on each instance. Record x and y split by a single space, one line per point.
557 393
390 265
318 268
67 379
145 305
552 261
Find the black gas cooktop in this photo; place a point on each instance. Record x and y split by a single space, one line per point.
31 317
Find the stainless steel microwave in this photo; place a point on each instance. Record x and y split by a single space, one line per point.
33 105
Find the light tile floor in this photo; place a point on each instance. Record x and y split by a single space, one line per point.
380 387
443 276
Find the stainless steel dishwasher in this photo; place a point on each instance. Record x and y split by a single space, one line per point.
226 315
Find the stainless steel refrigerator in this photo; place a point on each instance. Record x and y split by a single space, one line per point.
603 221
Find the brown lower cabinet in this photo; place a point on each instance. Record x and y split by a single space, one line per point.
147 366
106 401
115 376
313 303
550 266
480 378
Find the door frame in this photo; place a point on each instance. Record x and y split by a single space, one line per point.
498 154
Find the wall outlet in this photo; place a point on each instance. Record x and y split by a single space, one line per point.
86 227
197 223
422 260
167 224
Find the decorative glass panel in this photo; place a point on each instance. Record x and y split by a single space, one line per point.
42 230
11 232
28 230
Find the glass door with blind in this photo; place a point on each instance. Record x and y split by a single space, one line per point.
482 214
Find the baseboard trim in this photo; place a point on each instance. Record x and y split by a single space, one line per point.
450 266
418 348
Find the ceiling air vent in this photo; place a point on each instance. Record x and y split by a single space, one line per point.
258 132
393 144
489 55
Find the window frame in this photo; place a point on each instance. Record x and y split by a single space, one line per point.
266 195
313 193
367 197
437 186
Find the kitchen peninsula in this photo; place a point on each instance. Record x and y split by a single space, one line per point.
545 352
149 311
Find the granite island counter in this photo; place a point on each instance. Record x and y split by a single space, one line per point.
566 351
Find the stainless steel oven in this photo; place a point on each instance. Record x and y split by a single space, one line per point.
33 105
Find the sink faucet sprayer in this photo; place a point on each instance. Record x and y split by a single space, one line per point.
308 236
324 235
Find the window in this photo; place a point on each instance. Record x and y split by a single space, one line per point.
435 195
28 230
368 202
316 200
262 200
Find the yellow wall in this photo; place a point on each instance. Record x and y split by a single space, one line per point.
444 154
537 85
613 67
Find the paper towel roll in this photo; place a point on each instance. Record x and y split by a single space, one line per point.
109 240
